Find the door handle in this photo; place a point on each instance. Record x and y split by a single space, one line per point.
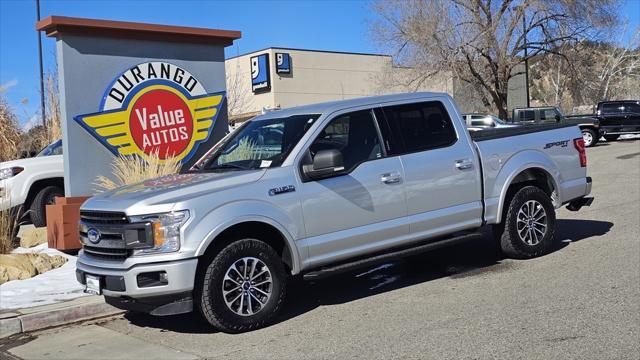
464 164
390 178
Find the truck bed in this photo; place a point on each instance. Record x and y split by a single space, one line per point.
547 148
492 134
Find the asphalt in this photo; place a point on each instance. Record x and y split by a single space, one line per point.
580 302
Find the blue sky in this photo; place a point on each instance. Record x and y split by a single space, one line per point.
325 25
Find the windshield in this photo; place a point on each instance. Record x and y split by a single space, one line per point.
54 148
258 144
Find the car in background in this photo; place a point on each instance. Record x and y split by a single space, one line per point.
589 125
477 122
619 117
28 185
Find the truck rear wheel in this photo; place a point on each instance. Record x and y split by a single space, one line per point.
589 137
46 196
243 288
529 224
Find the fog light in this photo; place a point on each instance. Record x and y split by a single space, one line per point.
149 279
164 278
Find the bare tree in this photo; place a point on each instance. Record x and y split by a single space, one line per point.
239 99
623 61
483 41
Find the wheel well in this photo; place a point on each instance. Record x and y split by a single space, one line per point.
41 184
251 229
533 176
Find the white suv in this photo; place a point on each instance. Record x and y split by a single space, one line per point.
30 184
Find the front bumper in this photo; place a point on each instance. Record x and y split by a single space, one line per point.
180 276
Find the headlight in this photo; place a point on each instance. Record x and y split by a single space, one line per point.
10 172
166 231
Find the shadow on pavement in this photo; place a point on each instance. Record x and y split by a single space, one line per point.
459 261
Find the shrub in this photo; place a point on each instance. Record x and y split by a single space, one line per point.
9 132
8 230
134 169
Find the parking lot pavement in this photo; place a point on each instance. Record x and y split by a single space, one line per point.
581 301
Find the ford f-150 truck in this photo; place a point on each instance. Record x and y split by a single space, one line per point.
317 189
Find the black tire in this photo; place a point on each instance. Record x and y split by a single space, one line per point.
610 138
209 297
46 196
511 242
590 138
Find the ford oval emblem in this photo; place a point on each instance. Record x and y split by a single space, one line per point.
93 235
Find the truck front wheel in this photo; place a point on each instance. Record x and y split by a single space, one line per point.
529 224
243 288
46 196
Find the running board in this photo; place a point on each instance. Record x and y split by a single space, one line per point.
404 252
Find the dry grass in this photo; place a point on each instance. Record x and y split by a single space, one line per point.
53 130
8 230
9 132
38 137
133 169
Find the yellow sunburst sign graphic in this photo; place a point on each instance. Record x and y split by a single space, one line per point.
157 116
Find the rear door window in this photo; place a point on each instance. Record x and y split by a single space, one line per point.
527 115
420 126
610 108
633 108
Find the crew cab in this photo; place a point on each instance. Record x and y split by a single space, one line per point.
28 185
338 185
619 117
589 125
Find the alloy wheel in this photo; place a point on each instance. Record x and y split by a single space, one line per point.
247 286
531 222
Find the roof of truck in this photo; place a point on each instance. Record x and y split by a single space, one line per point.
331 106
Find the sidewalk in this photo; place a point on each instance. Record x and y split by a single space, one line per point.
15 321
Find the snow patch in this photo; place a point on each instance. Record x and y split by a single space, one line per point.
51 287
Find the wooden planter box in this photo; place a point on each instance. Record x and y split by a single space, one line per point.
62 223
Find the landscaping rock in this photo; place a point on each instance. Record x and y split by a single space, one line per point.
32 236
24 266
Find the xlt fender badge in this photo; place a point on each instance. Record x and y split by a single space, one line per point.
282 190
562 143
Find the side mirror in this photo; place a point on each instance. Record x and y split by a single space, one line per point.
558 118
326 163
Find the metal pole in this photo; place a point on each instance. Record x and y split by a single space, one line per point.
44 118
526 60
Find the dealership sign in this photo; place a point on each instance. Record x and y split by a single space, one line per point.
260 80
154 107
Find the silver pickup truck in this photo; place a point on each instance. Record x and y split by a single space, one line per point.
323 188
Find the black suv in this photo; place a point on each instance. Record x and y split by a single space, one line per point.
619 117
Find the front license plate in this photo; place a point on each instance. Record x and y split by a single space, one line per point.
93 285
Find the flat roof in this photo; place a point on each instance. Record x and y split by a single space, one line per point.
308 50
54 25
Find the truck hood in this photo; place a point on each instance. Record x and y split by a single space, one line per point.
33 162
161 194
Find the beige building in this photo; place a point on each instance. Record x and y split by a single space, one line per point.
277 78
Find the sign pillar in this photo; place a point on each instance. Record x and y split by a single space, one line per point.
132 88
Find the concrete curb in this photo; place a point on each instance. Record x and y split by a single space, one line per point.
47 316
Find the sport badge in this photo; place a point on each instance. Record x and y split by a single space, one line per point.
154 107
